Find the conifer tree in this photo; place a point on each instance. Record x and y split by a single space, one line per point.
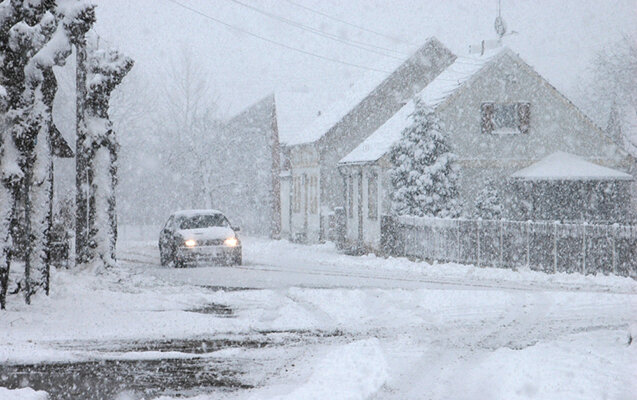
423 172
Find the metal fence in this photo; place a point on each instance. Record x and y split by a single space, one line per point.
543 246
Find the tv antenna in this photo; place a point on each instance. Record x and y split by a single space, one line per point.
499 24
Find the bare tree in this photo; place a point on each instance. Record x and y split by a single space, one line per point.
611 95
189 122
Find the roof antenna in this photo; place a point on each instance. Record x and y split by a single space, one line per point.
499 24
500 29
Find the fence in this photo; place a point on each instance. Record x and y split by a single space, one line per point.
543 246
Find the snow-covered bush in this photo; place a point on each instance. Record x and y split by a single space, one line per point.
35 36
423 174
489 202
106 69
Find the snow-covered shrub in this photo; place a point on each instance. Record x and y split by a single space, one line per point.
489 202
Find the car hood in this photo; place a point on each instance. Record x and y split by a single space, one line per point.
215 232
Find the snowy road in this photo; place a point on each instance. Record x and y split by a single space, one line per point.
299 320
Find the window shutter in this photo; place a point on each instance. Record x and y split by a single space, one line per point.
487 111
524 117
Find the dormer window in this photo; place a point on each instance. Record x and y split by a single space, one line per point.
505 118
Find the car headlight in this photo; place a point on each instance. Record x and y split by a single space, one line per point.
190 243
231 242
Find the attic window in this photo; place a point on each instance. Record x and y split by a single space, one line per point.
505 118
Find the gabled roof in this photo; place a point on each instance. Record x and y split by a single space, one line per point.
562 166
356 93
434 94
246 114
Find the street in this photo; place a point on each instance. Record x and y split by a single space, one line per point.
298 319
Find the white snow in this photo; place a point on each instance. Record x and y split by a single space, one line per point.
407 327
194 213
22 394
565 166
350 372
434 94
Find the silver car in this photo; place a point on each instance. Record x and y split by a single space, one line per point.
192 236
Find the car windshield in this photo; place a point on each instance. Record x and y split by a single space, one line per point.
202 221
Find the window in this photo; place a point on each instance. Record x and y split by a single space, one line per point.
350 196
505 118
372 196
202 221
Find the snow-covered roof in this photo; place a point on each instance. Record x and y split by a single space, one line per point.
192 213
434 94
565 166
332 114
295 110
345 102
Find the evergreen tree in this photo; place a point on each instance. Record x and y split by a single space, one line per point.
423 173
488 204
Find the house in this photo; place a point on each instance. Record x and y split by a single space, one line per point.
500 116
311 186
249 195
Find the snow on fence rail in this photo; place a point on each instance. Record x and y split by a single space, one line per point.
544 246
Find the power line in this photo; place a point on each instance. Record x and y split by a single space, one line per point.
354 43
227 25
362 28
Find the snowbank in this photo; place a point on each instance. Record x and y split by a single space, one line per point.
349 372
587 366
22 394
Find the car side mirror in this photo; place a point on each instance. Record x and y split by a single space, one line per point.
236 229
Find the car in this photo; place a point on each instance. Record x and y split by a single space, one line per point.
192 236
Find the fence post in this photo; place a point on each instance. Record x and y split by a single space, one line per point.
614 249
478 229
528 243
584 249
501 243
458 240
554 246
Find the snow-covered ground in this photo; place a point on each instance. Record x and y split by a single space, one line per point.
342 327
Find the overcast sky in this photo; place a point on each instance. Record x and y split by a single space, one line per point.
557 37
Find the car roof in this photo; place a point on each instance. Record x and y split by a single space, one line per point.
192 213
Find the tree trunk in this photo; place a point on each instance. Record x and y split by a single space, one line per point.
82 183
27 232
112 203
7 209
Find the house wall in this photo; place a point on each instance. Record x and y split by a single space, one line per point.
555 125
351 207
286 206
250 194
